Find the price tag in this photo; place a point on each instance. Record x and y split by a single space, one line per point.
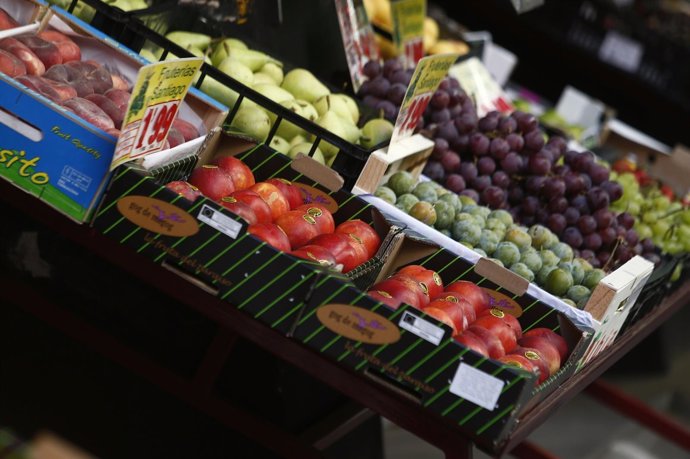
156 97
408 29
621 51
427 76
476 386
478 83
358 37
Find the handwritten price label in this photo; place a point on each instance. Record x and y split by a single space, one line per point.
427 76
358 38
408 29
153 106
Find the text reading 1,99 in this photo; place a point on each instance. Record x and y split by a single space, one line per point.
154 127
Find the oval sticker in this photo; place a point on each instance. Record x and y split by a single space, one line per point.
503 302
358 324
157 216
311 194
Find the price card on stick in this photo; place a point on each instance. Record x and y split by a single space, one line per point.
427 76
359 41
153 106
408 29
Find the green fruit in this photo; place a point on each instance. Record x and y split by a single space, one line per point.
579 294
541 236
519 237
331 121
222 49
425 191
452 199
562 251
273 92
304 85
263 78
508 253
502 215
548 258
467 201
480 211
288 130
148 55
280 144
253 59
183 38
445 215
252 121
543 274
464 216
273 70
424 212
375 132
569 302
522 270
296 140
305 148
336 104
575 270
386 194
480 251
584 264
237 70
497 261
489 241
558 282
496 225
466 231
592 278
406 201
531 259
352 107
401 182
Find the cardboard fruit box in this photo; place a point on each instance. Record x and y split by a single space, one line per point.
24 14
209 245
62 159
414 355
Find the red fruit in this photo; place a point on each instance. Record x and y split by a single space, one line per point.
385 298
184 189
364 233
535 357
90 112
241 174
500 329
547 350
46 51
212 181
454 311
493 344
109 107
554 338
417 287
509 319
323 216
315 253
174 137
668 192
469 339
299 226
431 280
187 129
258 205
11 65
400 290
467 308
290 191
32 63
119 82
521 362
68 49
271 234
339 245
7 21
624 165
239 208
477 297
273 197
442 316
119 97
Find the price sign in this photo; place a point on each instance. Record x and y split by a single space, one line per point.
408 29
427 76
358 38
478 83
153 106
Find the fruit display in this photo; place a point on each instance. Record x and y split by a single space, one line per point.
297 90
466 309
277 214
87 13
534 252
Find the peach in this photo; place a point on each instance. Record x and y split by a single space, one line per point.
90 112
119 82
119 96
174 137
187 129
11 65
98 76
7 21
212 181
33 64
46 51
548 351
42 86
69 50
64 91
109 107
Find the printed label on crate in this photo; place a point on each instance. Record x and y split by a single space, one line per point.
358 36
153 106
220 221
316 196
427 76
503 302
408 29
422 328
476 386
358 324
157 216
478 83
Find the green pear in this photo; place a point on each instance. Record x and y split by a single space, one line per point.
376 131
252 121
273 70
331 160
184 39
251 58
222 49
273 92
280 144
338 126
226 96
286 129
304 85
148 55
304 148
332 102
296 140
264 78
352 132
237 70
351 105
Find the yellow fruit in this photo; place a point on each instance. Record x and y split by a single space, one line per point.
449 46
431 33
386 47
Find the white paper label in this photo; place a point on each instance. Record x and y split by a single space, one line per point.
422 328
217 220
621 51
476 386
